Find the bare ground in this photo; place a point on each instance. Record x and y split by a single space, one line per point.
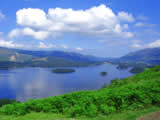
152 116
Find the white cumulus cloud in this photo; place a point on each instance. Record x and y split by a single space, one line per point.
124 16
98 21
142 24
40 35
79 49
10 44
64 46
137 45
139 24
154 44
45 46
14 33
31 17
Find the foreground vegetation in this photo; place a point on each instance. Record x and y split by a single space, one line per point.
125 115
137 93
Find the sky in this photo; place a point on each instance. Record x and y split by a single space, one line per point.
105 28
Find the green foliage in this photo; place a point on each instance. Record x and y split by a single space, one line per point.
16 109
91 110
104 86
125 115
6 101
114 81
105 109
133 93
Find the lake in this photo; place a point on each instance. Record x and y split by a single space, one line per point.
25 83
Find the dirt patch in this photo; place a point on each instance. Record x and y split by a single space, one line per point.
152 116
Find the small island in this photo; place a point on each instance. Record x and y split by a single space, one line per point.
63 71
137 69
122 66
103 73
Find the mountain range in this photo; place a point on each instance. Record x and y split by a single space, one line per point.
16 57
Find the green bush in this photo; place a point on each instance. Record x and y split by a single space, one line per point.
16 109
91 110
107 109
6 101
77 110
114 81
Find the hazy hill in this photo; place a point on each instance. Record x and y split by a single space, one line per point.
16 57
61 54
149 55
12 55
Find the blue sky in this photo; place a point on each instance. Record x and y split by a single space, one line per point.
108 28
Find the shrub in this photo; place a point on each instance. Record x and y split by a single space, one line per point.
104 86
105 109
77 110
6 101
16 109
114 81
91 110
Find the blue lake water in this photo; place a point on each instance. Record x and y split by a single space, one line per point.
25 83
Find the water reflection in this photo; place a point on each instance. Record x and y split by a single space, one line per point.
25 83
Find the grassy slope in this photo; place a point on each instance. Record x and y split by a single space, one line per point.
129 98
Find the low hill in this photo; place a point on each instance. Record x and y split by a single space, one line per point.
52 61
134 94
12 55
147 56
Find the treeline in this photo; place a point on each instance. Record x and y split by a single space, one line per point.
49 63
135 67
